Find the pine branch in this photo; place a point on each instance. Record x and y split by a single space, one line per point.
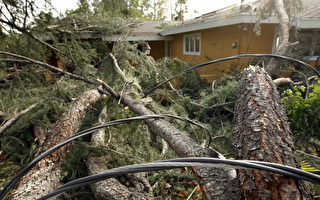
51 67
24 31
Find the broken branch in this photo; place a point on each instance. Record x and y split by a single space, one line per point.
13 119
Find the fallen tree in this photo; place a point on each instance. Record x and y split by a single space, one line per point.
215 183
262 133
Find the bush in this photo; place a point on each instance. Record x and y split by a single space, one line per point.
303 113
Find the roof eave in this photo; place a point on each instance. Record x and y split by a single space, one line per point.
236 19
307 23
135 38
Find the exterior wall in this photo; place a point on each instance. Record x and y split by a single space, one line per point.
251 43
315 64
157 49
217 43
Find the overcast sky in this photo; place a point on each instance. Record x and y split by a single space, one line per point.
195 7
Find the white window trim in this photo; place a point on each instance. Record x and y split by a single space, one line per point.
311 58
184 45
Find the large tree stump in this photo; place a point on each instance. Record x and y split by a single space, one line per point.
262 133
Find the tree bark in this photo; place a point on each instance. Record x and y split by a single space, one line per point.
215 183
262 133
111 188
46 175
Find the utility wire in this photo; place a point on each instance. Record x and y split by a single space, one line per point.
187 162
231 58
85 132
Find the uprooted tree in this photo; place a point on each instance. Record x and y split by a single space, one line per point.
261 128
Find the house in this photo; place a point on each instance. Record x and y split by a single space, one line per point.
230 31
226 32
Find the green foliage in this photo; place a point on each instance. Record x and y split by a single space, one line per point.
304 115
174 184
26 88
308 167
74 166
19 12
19 44
181 8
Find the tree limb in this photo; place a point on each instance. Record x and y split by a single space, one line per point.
117 68
13 119
283 34
14 61
46 175
110 188
53 68
22 30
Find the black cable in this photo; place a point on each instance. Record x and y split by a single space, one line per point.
231 58
187 162
309 175
82 133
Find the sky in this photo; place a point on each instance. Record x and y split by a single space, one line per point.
195 7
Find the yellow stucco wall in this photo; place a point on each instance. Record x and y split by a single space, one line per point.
315 64
217 43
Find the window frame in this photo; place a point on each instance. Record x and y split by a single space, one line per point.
192 38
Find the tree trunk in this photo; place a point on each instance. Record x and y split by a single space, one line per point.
111 188
46 175
215 183
262 133
284 28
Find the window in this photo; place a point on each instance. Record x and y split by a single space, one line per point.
191 44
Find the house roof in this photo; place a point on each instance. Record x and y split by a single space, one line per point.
311 9
309 17
146 30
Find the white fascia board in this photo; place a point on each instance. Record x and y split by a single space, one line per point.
90 36
216 22
135 38
307 23
311 58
